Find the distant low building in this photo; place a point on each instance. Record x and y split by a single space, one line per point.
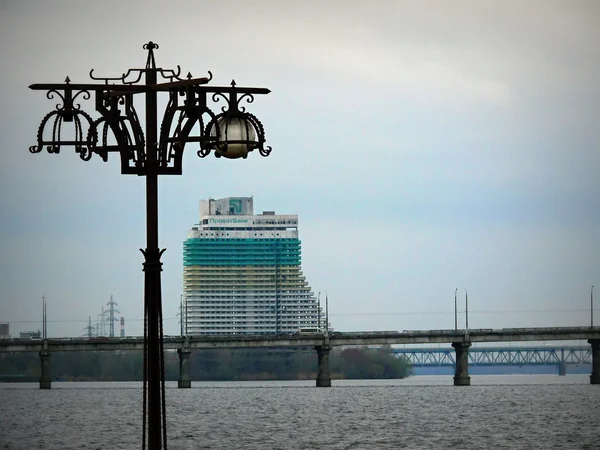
31 334
4 330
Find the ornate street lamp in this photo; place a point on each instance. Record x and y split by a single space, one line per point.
149 151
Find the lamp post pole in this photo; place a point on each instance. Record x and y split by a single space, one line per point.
181 317
455 311
592 306
151 151
185 306
326 314
152 267
466 311
319 311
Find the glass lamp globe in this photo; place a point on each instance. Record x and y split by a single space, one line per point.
237 137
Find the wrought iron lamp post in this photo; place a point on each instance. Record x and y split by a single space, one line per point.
145 149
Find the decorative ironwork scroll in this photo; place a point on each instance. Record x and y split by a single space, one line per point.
187 118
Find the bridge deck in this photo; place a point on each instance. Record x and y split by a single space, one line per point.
309 340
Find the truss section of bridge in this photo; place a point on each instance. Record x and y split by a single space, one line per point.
497 356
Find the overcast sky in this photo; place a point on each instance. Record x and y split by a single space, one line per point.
425 145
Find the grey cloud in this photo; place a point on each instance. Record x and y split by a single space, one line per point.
425 145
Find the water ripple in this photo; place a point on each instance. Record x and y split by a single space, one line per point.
525 412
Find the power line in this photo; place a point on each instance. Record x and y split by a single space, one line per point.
440 313
405 313
77 320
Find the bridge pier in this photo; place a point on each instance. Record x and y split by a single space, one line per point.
562 369
45 381
184 381
323 377
562 364
461 372
595 376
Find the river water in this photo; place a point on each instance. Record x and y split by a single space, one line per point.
420 412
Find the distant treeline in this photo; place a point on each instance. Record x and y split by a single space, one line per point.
211 365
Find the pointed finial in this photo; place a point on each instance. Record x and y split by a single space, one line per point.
67 80
189 75
150 46
232 83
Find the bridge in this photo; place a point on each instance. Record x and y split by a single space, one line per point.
460 340
560 357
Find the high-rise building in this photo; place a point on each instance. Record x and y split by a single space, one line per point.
243 274
4 330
